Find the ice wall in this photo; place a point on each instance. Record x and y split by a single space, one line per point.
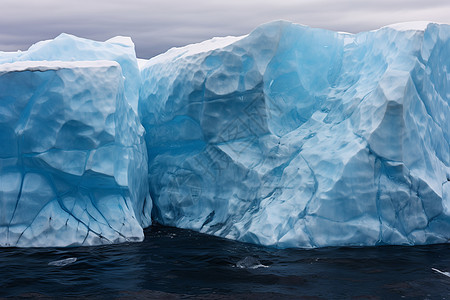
73 161
289 136
301 137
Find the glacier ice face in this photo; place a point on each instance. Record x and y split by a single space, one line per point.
301 137
73 160
289 136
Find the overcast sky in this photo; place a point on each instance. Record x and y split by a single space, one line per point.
157 25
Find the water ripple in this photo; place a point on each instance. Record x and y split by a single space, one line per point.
184 264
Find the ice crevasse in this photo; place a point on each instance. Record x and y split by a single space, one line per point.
289 136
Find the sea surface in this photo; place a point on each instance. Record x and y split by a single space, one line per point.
173 263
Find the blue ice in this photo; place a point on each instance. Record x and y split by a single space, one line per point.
289 136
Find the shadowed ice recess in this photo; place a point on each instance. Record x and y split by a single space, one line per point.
289 136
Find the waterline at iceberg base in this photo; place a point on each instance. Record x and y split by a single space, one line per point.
289 137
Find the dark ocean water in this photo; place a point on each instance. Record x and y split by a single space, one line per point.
173 263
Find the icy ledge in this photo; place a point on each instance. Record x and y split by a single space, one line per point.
43 66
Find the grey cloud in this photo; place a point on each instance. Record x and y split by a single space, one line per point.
157 25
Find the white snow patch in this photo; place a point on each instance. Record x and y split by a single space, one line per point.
142 63
189 50
404 26
121 40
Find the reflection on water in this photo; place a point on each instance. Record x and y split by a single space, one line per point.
173 263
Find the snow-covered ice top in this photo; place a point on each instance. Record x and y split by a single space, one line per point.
193 49
67 47
43 66
414 25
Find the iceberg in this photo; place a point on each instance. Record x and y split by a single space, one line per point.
289 136
299 137
73 160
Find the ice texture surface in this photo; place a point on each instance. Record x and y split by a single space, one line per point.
300 137
73 161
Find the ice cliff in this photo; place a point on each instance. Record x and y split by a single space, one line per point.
299 137
73 161
289 136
